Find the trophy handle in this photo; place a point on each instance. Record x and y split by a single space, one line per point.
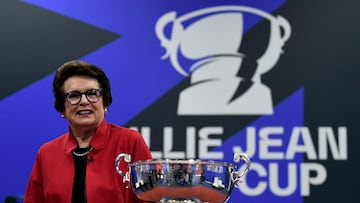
127 159
237 175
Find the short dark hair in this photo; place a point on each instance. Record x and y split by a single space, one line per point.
79 68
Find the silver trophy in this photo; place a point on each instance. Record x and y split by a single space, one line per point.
181 181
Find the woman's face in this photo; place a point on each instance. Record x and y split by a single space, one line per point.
84 115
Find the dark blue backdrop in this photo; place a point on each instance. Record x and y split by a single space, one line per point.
314 83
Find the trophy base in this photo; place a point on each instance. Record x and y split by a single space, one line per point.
164 200
194 194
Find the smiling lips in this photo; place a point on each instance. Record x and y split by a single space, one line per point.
85 112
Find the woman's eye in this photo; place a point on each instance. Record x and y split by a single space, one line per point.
73 95
91 93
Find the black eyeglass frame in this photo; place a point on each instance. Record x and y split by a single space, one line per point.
88 93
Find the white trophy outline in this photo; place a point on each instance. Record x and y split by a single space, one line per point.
198 98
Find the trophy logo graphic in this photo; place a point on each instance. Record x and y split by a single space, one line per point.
224 79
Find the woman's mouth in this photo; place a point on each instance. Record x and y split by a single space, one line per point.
84 112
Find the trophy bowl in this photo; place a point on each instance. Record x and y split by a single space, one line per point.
181 181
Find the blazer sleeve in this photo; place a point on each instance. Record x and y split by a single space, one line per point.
35 191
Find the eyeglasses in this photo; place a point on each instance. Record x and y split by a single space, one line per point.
92 95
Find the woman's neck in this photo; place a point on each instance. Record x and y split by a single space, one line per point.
83 137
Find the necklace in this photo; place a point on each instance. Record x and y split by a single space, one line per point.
82 154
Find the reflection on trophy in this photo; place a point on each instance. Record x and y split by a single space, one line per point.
211 39
182 181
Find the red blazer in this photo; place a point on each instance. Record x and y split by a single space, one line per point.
52 176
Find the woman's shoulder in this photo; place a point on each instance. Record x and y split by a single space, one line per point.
130 141
118 130
54 143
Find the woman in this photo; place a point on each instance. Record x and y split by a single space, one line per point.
79 166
